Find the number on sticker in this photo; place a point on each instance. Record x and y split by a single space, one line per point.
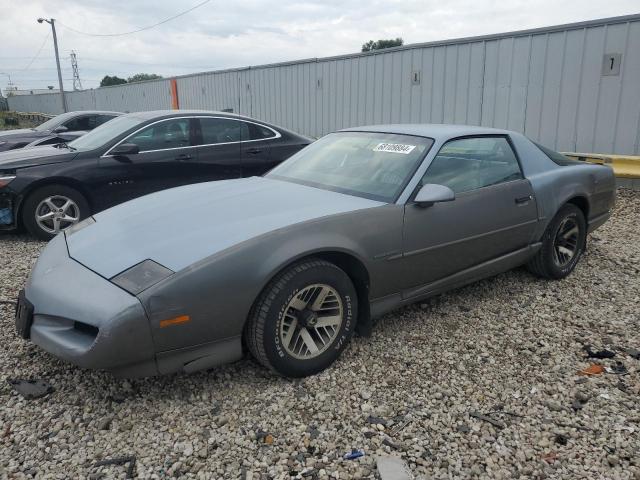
394 148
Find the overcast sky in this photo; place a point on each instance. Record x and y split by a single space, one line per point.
224 34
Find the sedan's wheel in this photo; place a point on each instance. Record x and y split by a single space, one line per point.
52 209
303 319
562 244
57 212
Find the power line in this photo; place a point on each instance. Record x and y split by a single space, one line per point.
37 54
104 61
134 31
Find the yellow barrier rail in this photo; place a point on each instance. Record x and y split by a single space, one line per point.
624 166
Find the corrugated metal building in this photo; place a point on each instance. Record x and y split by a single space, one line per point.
572 87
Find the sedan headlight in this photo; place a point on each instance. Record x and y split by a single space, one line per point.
5 180
141 276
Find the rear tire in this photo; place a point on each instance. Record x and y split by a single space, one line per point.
52 209
303 319
563 243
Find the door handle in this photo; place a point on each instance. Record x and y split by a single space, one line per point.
523 200
254 151
183 157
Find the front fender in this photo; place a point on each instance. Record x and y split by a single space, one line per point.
217 293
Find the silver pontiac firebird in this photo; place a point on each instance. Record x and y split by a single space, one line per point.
288 266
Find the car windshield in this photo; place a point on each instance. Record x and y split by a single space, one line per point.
365 164
55 122
104 133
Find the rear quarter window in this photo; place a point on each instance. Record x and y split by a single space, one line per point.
259 132
556 157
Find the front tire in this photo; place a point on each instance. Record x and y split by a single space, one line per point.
562 244
303 319
52 209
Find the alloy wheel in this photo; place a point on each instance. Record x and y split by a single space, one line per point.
312 320
56 213
565 244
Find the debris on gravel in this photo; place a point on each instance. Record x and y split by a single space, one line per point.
512 354
30 389
391 468
131 461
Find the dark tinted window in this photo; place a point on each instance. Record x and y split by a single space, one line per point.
471 163
80 123
259 132
222 130
557 157
98 120
172 133
55 121
87 122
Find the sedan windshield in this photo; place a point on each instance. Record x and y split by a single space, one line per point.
366 164
106 132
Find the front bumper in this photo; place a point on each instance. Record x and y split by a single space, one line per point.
84 319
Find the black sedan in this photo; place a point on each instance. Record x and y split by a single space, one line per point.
50 188
58 125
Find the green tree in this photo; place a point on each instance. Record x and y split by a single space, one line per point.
380 44
142 77
107 81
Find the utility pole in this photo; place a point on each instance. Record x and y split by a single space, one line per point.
77 84
52 22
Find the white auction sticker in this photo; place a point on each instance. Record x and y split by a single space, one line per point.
394 148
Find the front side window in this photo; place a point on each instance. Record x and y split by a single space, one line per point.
80 123
173 133
55 122
100 119
365 164
222 130
97 120
471 163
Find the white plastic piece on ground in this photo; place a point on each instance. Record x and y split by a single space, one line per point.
392 468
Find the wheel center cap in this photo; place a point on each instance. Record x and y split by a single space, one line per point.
309 318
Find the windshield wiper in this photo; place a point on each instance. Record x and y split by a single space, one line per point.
65 145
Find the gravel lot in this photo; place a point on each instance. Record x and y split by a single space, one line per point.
508 347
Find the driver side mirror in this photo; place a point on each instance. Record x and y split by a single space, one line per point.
432 193
125 149
60 129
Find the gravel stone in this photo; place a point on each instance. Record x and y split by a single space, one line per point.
105 423
513 341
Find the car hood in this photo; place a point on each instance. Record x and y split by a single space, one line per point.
183 225
30 157
18 132
8 138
